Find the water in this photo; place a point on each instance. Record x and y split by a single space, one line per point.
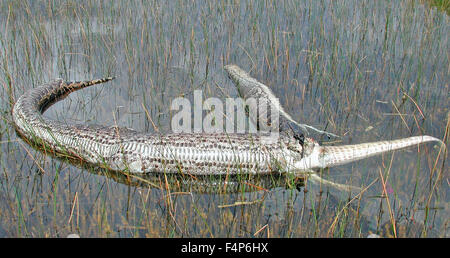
353 69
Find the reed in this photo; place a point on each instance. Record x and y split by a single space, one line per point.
364 70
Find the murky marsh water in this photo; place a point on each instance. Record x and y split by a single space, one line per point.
365 70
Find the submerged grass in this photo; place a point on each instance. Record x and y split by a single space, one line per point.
366 70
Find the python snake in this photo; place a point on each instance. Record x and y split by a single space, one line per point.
122 149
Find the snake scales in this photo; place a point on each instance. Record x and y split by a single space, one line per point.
122 149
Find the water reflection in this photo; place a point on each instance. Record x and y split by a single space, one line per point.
341 67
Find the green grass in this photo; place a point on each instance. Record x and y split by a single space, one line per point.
366 70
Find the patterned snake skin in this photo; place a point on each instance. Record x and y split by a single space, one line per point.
122 149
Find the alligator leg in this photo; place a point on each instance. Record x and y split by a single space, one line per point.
315 178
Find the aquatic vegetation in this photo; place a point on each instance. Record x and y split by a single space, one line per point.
366 70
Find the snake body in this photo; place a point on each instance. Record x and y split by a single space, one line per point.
123 149
127 150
